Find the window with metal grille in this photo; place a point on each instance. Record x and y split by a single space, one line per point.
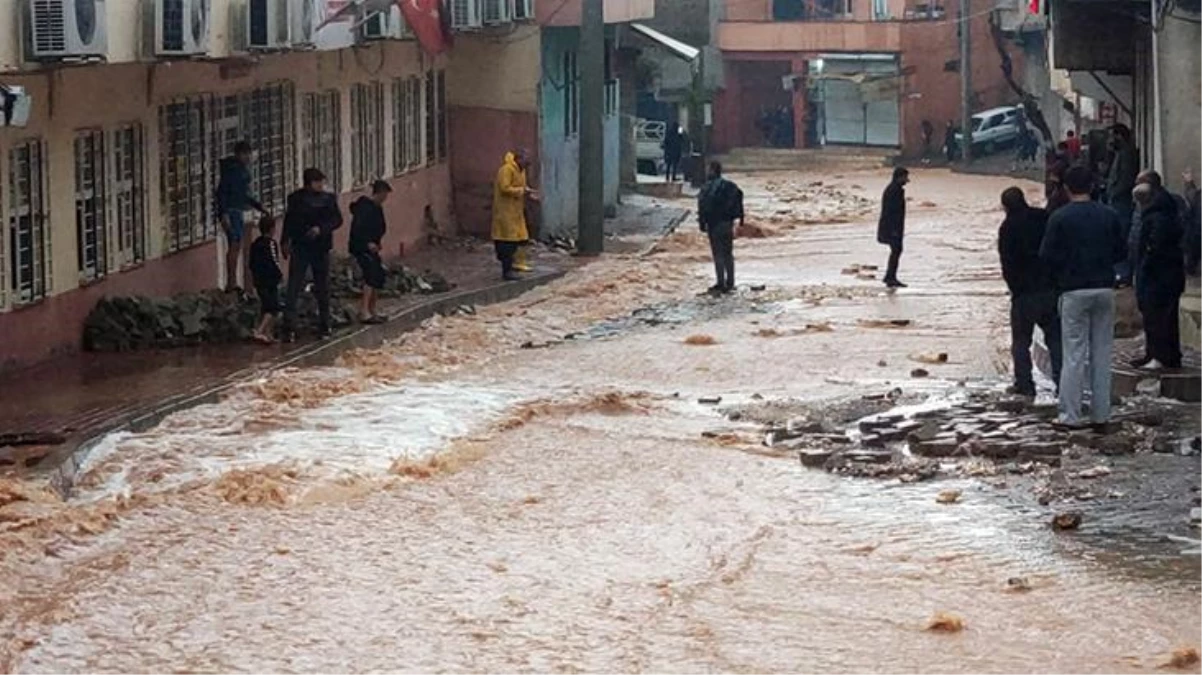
367 132
406 124
611 98
185 177
128 196
267 122
91 222
321 141
28 222
441 91
431 118
571 96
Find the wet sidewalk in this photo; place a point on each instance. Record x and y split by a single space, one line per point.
49 409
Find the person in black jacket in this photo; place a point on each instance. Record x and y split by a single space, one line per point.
891 228
1082 244
267 275
1032 293
309 225
1159 272
231 200
719 205
367 231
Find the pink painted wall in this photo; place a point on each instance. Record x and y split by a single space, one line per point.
482 137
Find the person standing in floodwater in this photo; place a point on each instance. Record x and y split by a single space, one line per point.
1083 242
891 228
719 205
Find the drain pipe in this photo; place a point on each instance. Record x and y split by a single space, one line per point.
1157 122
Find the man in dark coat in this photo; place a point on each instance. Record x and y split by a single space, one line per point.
891 228
719 205
1159 272
310 220
1120 180
673 150
1032 291
367 233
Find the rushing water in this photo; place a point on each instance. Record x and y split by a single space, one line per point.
581 520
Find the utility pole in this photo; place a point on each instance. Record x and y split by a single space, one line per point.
965 81
591 62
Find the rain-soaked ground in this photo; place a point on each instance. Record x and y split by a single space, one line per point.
529 488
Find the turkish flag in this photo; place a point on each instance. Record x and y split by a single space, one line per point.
430 22
1033 5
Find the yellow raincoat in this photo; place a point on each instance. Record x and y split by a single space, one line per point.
509 202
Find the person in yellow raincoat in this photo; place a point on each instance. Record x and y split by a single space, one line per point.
510 192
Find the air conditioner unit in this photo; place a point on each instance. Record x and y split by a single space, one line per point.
522 10
386 25
65 29
497 12
268 24
181 27
465 14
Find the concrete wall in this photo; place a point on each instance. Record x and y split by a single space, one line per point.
69 99
1180 99
560 153
493 93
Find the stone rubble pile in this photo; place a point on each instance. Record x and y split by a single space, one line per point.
1013 435
346 280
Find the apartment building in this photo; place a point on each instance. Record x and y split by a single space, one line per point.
107 188
851 72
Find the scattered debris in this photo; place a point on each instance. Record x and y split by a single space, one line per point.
948 496
1018 585
883 323
933 359
919 372
944 622
709 400
1094 472
700 340
1182 658
1069 520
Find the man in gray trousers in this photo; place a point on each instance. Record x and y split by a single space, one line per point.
1083 242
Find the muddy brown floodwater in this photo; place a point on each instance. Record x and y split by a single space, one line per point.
455 501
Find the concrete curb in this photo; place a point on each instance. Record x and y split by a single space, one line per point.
76 450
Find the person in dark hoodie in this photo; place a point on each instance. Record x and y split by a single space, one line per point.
891 228
1159 272
310 220
367 231
1081 246
1032 292
267 275
719 205
231 200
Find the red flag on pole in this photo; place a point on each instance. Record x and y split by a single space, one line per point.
1033 5
430 23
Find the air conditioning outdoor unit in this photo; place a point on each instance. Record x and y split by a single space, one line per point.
268 24
523 10
497 12
465 14
386 25
181 27
65 29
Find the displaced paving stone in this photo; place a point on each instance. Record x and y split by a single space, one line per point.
926 431
919 372
868 456
709 400
1044 449
814 458
1069 520
948 496
1018 585
1094 472
936 447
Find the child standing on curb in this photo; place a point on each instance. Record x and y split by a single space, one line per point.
267 275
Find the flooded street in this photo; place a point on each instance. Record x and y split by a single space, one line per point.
539 486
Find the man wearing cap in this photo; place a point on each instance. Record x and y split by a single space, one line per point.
311 217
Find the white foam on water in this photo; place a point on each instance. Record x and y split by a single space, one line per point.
359 433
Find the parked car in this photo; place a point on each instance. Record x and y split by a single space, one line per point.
649 145
993 129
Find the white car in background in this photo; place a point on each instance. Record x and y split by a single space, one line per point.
649 145
992 129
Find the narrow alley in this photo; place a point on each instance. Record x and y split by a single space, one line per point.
575 480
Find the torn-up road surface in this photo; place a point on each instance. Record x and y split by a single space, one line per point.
557 483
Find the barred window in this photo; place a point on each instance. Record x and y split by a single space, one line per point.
91 223
321 141
431 118
571 95
186 179
367 132
407 126
28 222
128 196
264 117
441 111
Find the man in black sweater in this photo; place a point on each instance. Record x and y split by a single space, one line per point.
367 231
891 228
310 220
1032 292
1083 242
1159 272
